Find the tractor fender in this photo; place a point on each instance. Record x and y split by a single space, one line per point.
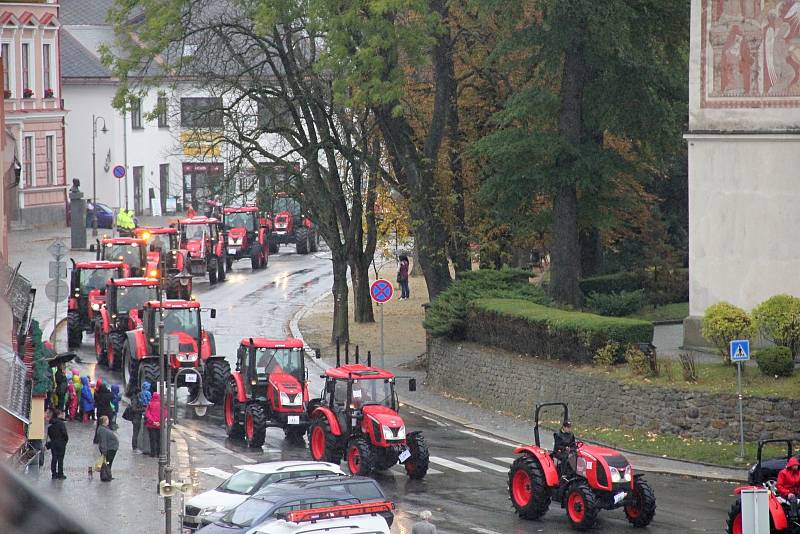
137 343
209 347
105 320
548 466
236 376
72 304
776 512
134 319
262 237
218 248
333 421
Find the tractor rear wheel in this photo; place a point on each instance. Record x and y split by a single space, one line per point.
218 370
221 268
301 240
254 261
255 425
641 513
231 407
325 447
74 330
314 241
527 487
734 522
417 464
100 347
129 370
116 341
581 505
212 271
274 246
149 372
360 457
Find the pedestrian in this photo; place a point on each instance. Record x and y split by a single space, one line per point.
57 438
134 412
402 278
102 401
789 484
72 400
108 443
61 386
76 383
191 212
87 400
424 526
152 421
115 398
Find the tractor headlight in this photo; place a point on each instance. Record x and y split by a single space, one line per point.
95 306
286 401
234 241
618 475
628 475
396 434
153 273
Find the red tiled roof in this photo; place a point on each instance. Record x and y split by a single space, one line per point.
46 18
26 17
6 16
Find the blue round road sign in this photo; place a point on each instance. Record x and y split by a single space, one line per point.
381 291
119 171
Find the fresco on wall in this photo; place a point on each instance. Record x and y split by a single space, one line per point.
750 53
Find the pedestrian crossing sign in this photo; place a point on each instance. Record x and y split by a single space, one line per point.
740 350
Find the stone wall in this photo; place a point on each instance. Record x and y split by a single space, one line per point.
501 380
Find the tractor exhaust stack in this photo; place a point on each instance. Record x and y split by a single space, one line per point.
356 353
369 358
338 360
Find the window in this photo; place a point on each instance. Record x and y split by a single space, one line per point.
46 69
273 115
50 153
6 49
136 114
162 112
27 160
26 64
201 112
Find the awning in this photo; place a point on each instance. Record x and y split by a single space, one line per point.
12 433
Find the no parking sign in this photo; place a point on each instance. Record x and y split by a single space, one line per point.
381 291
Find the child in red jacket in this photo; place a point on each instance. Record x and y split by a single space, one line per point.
789 483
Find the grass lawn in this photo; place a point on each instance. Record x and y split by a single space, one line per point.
669 312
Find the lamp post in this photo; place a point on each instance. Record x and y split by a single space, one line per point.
95 118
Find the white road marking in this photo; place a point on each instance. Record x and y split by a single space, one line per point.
200 437
453 465
505 459
489 438
481 463
483 530
214 472
439 423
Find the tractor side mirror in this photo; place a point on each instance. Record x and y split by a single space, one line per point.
213 313
412 384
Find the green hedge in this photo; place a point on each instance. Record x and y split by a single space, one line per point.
613 283
661 287
448 312
523 326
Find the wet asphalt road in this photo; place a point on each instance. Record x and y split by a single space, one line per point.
466 487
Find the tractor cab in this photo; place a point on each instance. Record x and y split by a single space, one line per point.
247 235
274 370
163 245
200 237
87 294
159 241
130 251
287 213
182 320
125 298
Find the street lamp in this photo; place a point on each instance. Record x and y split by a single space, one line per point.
95 118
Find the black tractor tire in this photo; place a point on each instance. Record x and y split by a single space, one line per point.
419 461
149 372
231 412
333 449
130 370
582 506
116 342
228 263
100 346
255 425
301 240
255 261
264 258
641 514
212 271
274 246
527 487
360 457
74 329
221 268
217 375
294 435
314 241
734 516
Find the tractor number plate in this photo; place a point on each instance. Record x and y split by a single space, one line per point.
293 419
403 456
191 378
619 497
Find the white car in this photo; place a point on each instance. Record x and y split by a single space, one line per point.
344 519
245 482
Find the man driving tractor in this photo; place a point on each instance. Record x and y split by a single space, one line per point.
789 483
564 444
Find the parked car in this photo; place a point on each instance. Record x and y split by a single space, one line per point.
349 518
105 216
246 482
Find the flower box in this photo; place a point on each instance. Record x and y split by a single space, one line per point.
27 93
48 93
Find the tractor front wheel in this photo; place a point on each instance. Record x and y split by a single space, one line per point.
231 406
527 487
255 425
212 271
581 506
274 246
734 522
116 342
74 330
221 268
100 347
217 373
360 457
301 240
129 372
149 372
417 464
641 512
325 447
228 263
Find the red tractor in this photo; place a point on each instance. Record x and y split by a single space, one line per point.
196 349
591 479
162 246
87 291
247 236
125 298
291 225
130 251
206 252
357 416
269 388
764 474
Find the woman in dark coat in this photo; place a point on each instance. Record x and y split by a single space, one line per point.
102 401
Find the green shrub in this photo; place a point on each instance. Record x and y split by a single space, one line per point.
524 326
775 361
661 286
637 361
448 312
616 304
612 283
722 323
607 355
777 319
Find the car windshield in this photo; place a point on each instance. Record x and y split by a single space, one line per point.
128 254
94 279
372 392
185 320
241 220
243 483
248 512
194 231
134 297
283 360
286 204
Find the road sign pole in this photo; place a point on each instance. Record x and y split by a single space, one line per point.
382 363
741 415
55 318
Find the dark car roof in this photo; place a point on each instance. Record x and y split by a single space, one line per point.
317 482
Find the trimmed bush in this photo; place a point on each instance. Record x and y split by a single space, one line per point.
777 319
616 304
612 283
722 323
607 355
524 326
661 286
775 361
448 312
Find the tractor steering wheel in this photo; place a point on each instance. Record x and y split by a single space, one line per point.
578 444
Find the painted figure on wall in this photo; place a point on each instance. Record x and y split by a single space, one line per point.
735 64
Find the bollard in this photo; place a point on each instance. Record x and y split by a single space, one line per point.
347 352
356 355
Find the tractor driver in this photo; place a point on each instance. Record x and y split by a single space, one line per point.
97 280
564 446
789 483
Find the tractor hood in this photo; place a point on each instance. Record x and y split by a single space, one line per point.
194 246
96 297
187 348
153 257
237 232
285 383
282 219
383 415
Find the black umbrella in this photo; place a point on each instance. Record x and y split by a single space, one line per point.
61 357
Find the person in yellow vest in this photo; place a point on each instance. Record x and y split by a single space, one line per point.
125 223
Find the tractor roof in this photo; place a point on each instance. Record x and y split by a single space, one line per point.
200 219
152 230
133 282
358 371
240 209
100 264
123 241
173 304
264 343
